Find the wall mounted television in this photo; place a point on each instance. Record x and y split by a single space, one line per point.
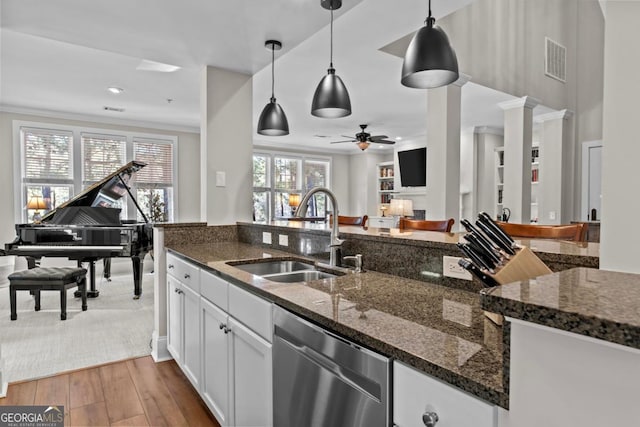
413 167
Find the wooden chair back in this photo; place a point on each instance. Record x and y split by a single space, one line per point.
428 225
572 232
350 220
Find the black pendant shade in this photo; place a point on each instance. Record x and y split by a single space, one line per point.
430 60
273 121
331 99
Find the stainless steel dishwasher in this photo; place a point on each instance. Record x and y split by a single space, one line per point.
323 380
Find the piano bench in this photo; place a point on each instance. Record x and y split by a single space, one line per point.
48 279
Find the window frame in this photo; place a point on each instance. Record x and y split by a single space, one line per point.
271 189
77 165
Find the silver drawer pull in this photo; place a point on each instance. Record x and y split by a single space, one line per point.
186 276
170 266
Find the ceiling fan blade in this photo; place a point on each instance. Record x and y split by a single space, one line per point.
378 137
338 142
383 141
347 136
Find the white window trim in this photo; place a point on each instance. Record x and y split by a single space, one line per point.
18 158
303 157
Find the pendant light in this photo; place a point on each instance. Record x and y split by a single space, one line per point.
331 99
273 121
430 60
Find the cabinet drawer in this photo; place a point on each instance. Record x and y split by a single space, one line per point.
251 310
214 289
415 393
185 272
381 222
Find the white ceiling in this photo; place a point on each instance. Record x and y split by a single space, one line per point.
61 55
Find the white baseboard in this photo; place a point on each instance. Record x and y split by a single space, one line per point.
3 389
159 350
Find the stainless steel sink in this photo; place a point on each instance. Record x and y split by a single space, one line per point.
274 267
284 271
299 276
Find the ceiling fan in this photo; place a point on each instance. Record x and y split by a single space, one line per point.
364 139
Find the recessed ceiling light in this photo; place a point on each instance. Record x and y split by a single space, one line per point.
115 90
398 138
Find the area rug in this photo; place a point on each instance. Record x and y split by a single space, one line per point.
114 327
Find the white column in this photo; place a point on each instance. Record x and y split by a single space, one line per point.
518 128
486 140
555 192
443 151
621 148
226 146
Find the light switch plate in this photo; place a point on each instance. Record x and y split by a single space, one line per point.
450 268
266 237
283 240
552 215
221 179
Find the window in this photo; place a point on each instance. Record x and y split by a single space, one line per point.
57 164
276 177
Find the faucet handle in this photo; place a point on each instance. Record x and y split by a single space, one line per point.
358 261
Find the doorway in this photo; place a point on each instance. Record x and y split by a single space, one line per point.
591 181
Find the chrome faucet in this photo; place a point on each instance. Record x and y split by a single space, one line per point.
357 261
335 243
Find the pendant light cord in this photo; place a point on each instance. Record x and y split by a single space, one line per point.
331 38
273 79
430 20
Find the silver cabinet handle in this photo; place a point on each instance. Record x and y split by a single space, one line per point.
430 419
176 290
186 276
224 327
170 266
180 292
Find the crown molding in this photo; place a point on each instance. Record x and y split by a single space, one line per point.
525 101
555 115
493 130
97 119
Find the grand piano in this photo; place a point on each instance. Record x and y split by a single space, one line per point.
87 228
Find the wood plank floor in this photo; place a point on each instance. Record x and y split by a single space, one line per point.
135 392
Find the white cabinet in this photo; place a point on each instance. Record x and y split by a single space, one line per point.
236 329
252 376
415 393
215 361
183 323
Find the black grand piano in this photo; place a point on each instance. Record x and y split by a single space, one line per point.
87 228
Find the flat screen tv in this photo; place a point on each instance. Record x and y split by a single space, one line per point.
413 167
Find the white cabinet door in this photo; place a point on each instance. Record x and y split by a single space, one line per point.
191 336
251 367
174 319
415 393
215 350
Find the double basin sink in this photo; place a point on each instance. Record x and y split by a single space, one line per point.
284 271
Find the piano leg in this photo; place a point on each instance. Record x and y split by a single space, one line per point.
92 292
106 269
138 264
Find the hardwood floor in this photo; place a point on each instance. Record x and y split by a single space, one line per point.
135 392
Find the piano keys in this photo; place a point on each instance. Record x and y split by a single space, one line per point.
88 228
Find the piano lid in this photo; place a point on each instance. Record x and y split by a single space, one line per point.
105 192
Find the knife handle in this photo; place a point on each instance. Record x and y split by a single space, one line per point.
505 246
489 221
487 251
477 260
483 277
472 229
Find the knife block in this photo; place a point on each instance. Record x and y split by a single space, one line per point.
523 265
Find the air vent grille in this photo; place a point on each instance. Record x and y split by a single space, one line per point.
118 110
555 60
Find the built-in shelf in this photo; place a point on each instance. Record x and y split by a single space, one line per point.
386 183
501 180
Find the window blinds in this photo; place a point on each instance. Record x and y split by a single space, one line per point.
101 155
158 155
47 154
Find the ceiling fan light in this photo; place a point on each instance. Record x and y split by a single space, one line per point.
273 121
331 99
363 145
430 60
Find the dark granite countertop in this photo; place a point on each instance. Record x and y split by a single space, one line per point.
596 303
439 330
179 224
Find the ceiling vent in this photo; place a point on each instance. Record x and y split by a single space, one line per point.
555 60
117 110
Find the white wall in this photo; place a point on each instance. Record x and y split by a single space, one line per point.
467 174
188 188
485 191
621 150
